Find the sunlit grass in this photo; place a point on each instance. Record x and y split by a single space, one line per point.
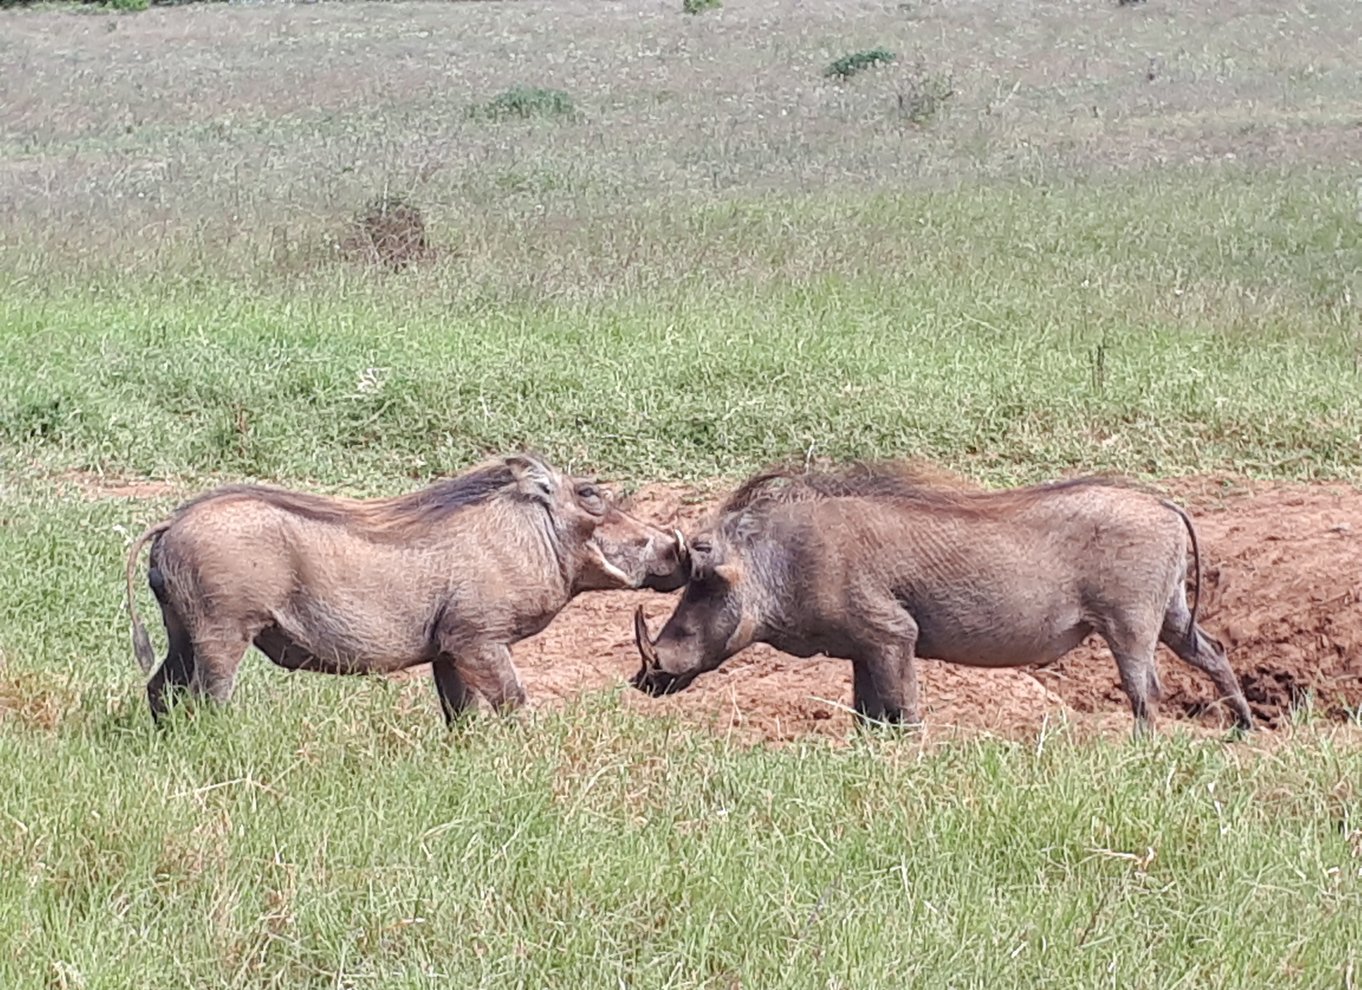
1114 248
321 836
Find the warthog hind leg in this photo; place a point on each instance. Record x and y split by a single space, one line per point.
1195 647
1133 647
176 671
218 650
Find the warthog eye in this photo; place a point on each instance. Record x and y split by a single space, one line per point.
592 499
701 547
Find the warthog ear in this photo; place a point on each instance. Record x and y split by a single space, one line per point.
728 573
702 566
532 477
703 570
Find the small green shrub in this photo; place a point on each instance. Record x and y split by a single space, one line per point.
524 102
700 6
848 65
36 419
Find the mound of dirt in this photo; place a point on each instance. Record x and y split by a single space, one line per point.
390 232
1282 585
1283 591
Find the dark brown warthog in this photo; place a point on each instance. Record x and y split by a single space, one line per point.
870 565
451 575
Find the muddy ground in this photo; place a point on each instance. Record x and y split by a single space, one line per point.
1282 584
1282 587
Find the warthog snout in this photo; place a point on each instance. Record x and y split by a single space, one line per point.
651 679
670 562
629 553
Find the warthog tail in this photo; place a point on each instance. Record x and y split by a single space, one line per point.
141 643
1196 565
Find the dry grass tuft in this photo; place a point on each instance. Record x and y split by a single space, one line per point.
36 700
922 94
389 232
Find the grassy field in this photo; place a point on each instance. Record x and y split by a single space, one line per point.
1128 238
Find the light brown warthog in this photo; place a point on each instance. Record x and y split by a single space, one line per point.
451 575
867 564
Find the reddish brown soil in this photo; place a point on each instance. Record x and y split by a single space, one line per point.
1282 587
1282 584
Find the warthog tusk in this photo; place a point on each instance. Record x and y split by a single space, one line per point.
644 641
680 543
608 567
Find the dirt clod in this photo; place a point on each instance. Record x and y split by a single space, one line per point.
390 232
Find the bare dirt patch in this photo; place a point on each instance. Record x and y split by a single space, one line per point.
1282 587
99 486
1282 584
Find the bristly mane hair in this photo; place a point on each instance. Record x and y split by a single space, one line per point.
906 481
380 516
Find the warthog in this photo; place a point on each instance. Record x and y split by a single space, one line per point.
867 563
451 575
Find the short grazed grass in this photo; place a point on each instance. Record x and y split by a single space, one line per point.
1132 243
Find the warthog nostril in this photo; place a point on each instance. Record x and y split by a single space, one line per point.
654 683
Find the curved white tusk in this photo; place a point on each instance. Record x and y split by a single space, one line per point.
644 640
680 542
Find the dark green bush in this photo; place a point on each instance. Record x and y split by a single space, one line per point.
112 4
524 102
848 65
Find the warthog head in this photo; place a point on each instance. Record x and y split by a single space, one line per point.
609 548
712 621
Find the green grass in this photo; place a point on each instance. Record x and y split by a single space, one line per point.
1118 250
328 831
1193 327
329 839
848 65
525 101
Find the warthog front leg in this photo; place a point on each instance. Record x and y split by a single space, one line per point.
455 698
886 688
884 675
490 672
